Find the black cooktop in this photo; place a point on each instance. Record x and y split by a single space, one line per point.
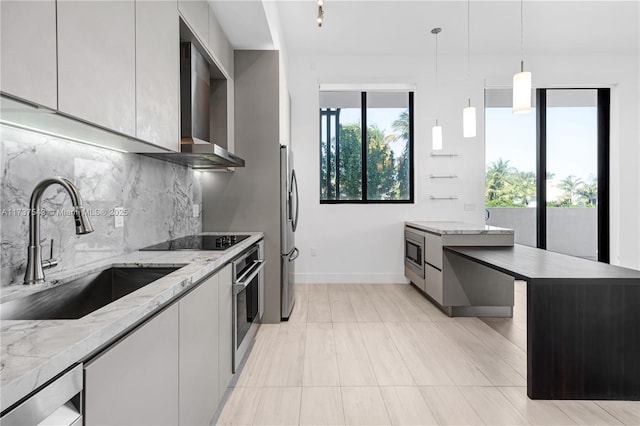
198 242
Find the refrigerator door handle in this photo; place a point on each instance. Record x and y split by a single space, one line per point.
294 185
294 254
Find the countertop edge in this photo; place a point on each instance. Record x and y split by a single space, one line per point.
457 228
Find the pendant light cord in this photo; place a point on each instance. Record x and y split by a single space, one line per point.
437 97
435 32
469 38
521 36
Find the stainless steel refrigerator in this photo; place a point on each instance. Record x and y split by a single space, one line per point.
289 210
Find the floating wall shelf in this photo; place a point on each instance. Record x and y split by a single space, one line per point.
451 197
443 176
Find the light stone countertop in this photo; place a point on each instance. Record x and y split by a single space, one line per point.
34 352
459 228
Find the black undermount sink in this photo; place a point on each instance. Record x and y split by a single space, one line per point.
82 296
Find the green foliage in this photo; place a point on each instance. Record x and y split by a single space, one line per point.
506 186
350 167
381 169
576 193
401 132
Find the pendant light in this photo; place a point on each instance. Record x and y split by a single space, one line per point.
522 80
320 13
436 131
469 113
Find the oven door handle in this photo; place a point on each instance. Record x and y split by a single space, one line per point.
243 282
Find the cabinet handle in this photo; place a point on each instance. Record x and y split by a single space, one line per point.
243 282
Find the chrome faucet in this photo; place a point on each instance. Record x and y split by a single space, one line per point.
34 273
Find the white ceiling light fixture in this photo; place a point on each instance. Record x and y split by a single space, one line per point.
436 131
522 80
469 113
320 13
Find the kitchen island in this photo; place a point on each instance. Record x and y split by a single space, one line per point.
457 286
583 333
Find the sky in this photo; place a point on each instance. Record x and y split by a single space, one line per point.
571 140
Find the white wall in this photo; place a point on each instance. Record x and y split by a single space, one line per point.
364 243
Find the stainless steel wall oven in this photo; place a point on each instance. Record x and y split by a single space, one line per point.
248 299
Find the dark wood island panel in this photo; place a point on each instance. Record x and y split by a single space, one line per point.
583 322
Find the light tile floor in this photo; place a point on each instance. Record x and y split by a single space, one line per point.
383 354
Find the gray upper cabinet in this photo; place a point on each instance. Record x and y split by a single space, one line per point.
158 73
199 395
219 45
28 66
96 62
196 15
135 382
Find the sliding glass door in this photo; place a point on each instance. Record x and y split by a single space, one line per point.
568 209
572 172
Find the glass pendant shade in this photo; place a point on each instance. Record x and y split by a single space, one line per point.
469 122
436 135
522 92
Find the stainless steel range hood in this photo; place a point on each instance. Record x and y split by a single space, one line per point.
195 92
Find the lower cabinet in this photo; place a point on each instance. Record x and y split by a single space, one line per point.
135 382
199 395
225 316
433 283
171 370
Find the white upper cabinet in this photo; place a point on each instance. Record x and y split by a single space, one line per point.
158 73
96 62
28 66
196 14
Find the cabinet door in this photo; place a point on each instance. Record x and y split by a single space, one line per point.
433 250
96 62
196 14
225 313
219 45
199 394
28 68
135 382
158 73
433 282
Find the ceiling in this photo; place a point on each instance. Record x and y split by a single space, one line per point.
398 28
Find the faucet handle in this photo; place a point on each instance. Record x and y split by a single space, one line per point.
51 262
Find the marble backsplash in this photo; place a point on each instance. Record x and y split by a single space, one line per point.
157 198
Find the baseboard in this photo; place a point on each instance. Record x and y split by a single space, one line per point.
311 278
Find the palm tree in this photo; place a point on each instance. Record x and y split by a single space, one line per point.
523 186
570 186
589 192
497 179
400 127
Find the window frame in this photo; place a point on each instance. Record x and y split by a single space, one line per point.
364 153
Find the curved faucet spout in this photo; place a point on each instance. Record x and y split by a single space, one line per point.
34 273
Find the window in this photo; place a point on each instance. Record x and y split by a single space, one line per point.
378 171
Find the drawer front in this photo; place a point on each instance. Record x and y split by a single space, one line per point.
433 250
433 283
